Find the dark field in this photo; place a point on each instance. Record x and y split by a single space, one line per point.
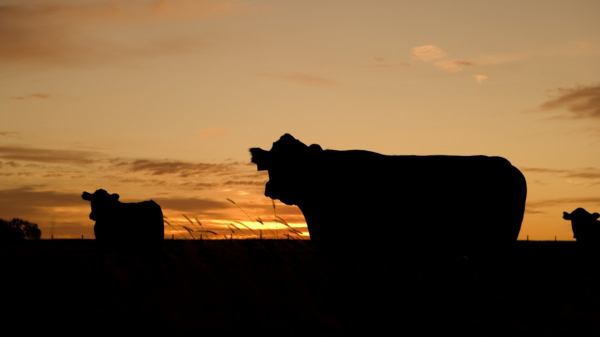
271 287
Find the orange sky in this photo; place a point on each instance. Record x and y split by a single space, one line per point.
162 99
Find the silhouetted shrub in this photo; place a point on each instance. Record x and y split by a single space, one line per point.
18 230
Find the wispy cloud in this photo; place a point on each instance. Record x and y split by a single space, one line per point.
584 173
480 78
304 79
28 200
12 134
572 202
427 53
430 53
452 65
35 95
182 169
48 155
580 102
194 206
542 170
589 175
58 32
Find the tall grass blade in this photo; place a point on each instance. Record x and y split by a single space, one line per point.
190 221
231 229
190 231
241 209
168 223
241 223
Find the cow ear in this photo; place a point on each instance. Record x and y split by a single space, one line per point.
595 216
315 148
261 158
114 197
287 138
86 196
566 216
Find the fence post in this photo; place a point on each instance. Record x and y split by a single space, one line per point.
555 238
81 236
172 236
51 237
527 237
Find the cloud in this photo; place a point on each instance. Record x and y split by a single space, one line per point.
585 175
59 32
214 132
183 169
27 201
48 155
541 170
554 202
194 206
582 173
12 134
35 95
480 78
581 102
244 183
301 79
452 65
431 52
427 53
590 176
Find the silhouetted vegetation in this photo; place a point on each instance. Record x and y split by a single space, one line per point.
291 288
17 230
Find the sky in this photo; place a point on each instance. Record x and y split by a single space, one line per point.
159 99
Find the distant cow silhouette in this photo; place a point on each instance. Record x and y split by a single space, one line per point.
125 224
586 227
460 203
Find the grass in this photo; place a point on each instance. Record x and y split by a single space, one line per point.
238 230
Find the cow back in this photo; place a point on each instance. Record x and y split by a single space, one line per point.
470 202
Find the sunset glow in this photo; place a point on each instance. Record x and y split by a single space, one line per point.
159 99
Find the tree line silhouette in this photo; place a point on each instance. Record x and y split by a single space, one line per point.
16 230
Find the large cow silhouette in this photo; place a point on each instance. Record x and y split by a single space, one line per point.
125 224
462 203
586 227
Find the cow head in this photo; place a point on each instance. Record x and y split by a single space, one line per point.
291 165
581 214
102 203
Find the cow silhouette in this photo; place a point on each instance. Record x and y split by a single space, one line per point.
586 227
122 225
464 204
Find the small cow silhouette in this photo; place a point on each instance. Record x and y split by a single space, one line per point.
125 224
586 227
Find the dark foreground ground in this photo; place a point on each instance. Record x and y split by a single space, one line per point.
291 288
